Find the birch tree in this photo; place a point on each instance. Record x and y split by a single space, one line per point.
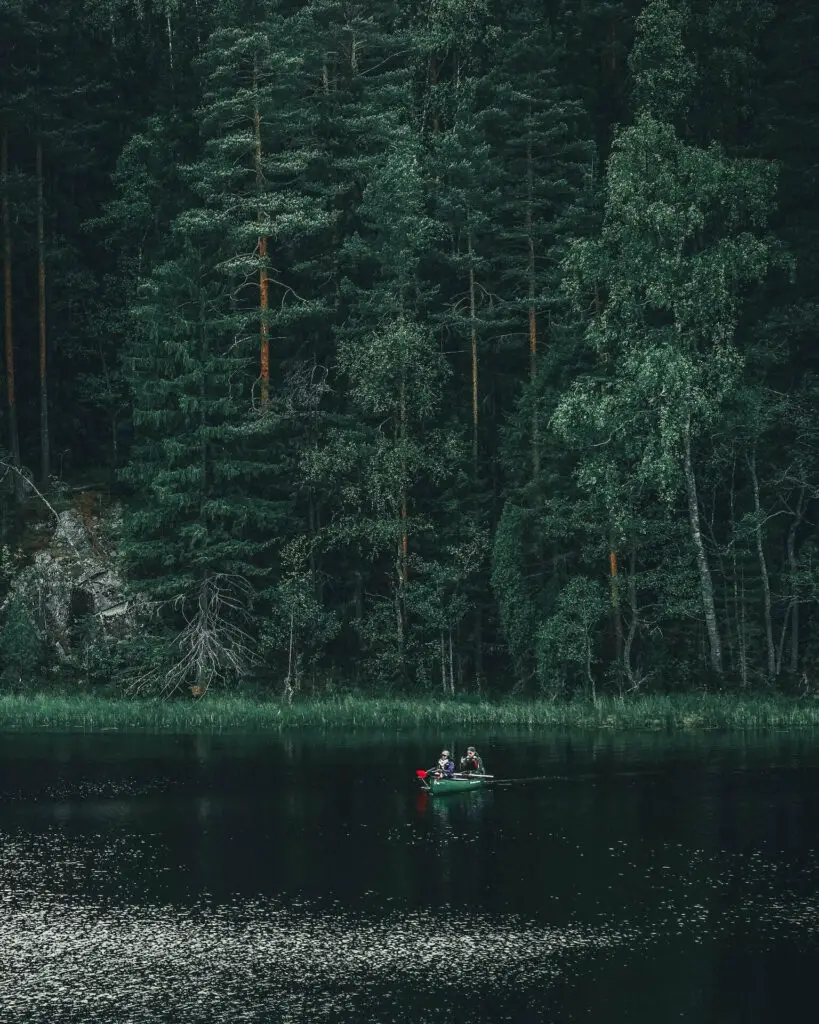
684 236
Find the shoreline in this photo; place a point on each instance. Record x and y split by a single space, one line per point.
689 712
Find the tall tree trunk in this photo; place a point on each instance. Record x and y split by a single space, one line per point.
45 450
478 647
403 435
433 80
791 549
739 598
264 326
743 636
589 675
169 30
530 188
633 620
8 318
475 424
616 610
203 404
474 350
403 543
451 666
197 21
706 586
404 538
763 568
358 595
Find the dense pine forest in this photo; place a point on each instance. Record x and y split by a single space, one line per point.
446 347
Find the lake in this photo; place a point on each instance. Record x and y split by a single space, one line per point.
639 878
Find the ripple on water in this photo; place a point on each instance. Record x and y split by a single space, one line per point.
93 789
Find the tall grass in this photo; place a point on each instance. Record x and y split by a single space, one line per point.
215 714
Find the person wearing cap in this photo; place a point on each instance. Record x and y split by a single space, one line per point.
446 766
471 762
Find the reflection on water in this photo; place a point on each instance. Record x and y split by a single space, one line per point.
179 880
463 809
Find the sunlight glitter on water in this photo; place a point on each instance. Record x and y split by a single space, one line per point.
130 896
74 958
69 954
63 959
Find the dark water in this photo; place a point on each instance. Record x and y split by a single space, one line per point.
242 878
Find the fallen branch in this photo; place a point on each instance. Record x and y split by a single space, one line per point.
11 468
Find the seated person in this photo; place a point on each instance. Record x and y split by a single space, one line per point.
445 766
471 762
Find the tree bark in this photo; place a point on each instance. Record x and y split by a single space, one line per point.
358 595
169 30
475 425
633 621
474 351
203 419
532 313
616 610
763 568
264 326
45 448
743 641
706 585
403 436
478 648
8 300
739 599
433 80
404 539
791 549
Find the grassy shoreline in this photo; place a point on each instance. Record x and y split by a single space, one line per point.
216 714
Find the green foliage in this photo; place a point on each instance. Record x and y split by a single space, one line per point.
357 716
22 650
567 640
516 595
664 69
519 274
299 627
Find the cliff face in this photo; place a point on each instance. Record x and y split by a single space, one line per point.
63 585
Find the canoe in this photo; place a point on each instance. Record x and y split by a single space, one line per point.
458 784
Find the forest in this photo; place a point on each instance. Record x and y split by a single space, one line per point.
443 347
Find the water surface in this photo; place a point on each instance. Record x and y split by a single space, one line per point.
640 878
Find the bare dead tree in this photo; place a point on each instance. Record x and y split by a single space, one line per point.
212 645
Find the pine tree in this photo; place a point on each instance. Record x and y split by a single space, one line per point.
547 193
387 466
195 537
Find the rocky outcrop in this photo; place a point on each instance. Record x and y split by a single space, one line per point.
71 577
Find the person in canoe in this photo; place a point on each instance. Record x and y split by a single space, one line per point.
472 763
444 769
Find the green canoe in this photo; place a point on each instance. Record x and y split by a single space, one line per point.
458 784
